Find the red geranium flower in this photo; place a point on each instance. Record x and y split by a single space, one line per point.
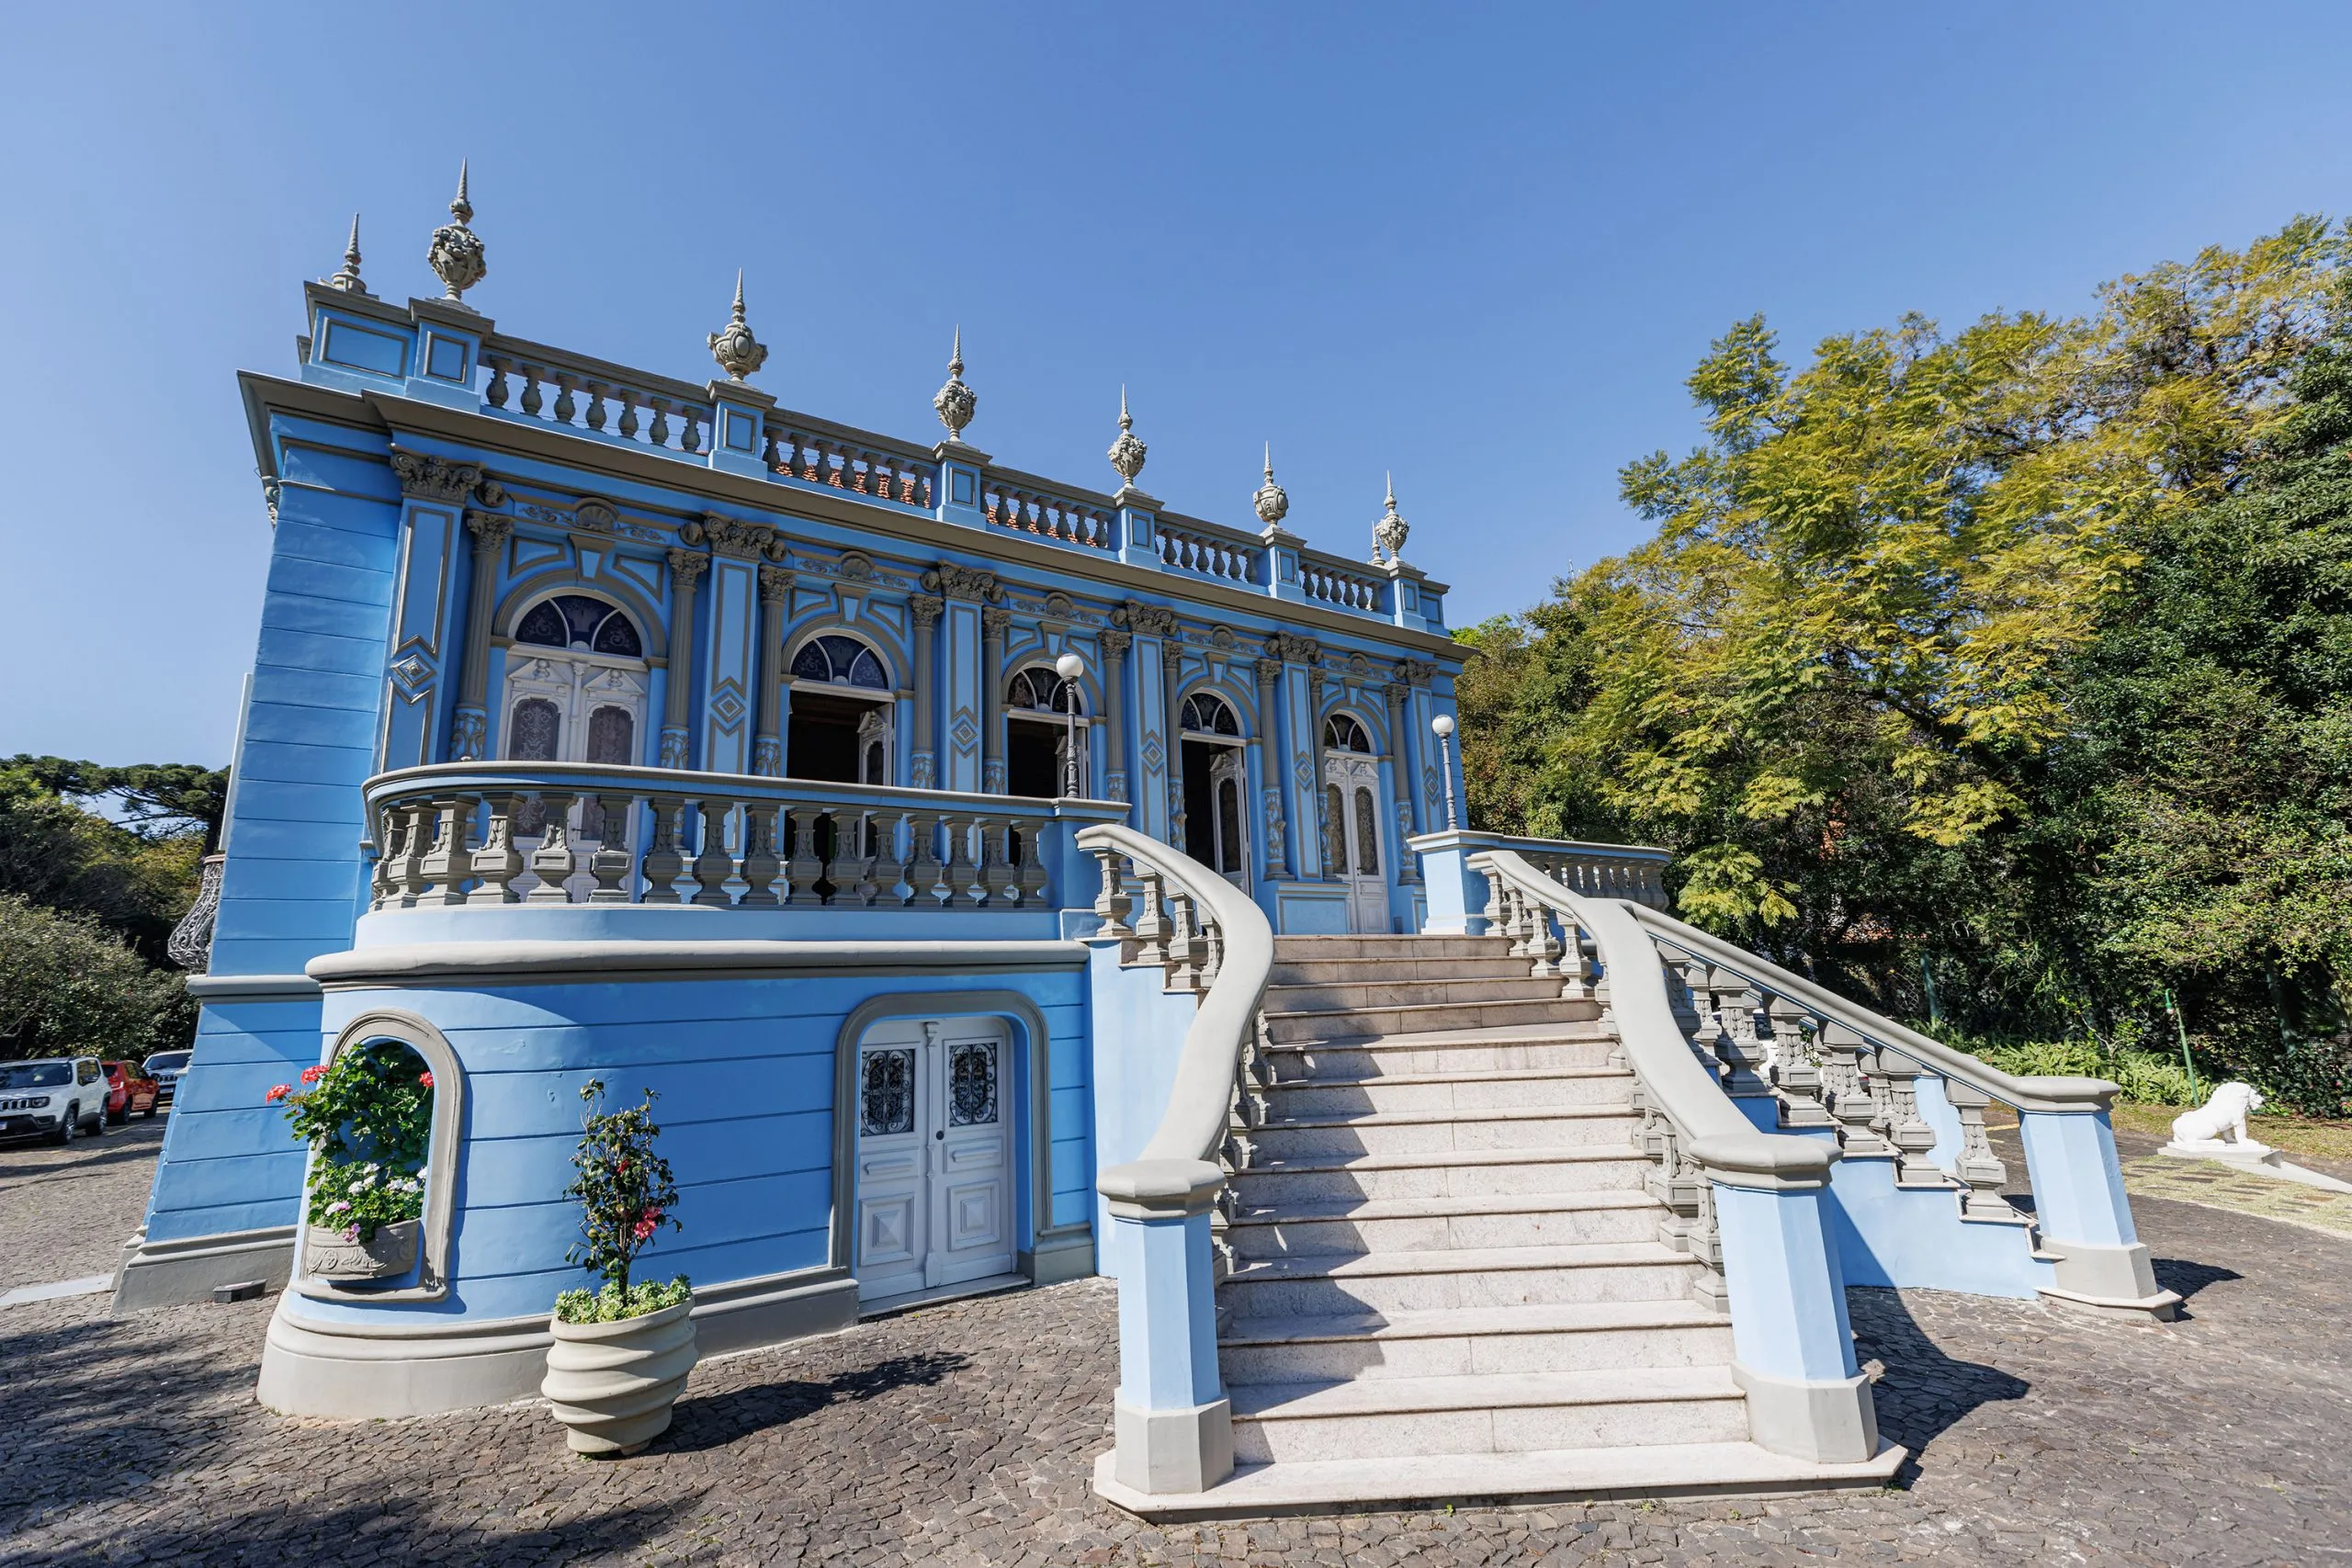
312 1075
424 1078
277 1093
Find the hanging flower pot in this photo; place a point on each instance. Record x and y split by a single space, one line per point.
612 1384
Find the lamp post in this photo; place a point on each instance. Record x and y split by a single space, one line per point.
1442 725
1070 667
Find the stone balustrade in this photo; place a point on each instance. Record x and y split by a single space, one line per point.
1208 551
1340 583
799 448
552 833
1021 505
611 400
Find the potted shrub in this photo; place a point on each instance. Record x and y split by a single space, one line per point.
621 1352
367 1119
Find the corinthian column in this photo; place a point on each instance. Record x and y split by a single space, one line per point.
1400 771
767 740
685 570
925 608
470 729
994 620
1274 777
1113 645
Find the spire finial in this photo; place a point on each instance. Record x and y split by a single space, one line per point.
1272 503
1126 453
955 402
1388 534
738 351
457 256
348 278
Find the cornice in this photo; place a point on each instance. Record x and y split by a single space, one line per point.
915 533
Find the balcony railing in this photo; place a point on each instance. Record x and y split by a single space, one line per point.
546 833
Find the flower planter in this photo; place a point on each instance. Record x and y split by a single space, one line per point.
327 1256
612 1384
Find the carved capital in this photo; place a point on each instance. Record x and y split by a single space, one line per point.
1270 671
925 608
686 566
1150 620
1115 642
426 478
1397 691
489 531
963 582
1315 687
775 583
995 620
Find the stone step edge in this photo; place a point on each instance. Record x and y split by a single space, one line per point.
1323 1400
1527 1477
1374 1010
1448 1113
1578 1200
1481 1323
1459 1260
1446 1159
1481 1075
1575 1032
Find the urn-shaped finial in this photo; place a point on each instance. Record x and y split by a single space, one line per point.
738 351
1388 534
1128 453
955 401
1272 503
348 278
457 256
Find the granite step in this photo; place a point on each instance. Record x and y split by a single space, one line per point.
1485 1413
1310 949
1438 1173
1412 1018
1579 1044
1334 1094
1407 1131
1314 996
1429 1224
1500 965
1574 1337
1463 1277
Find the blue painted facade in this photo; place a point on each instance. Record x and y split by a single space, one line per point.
433 483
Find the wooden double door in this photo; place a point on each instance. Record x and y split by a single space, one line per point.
934 1165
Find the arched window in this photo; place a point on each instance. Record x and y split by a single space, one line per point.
1042 690
575 621
536 722
1341 733
1367 834
1335 828
1206 713
611 736
839 661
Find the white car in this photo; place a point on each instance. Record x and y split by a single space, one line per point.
166 1067
57 1097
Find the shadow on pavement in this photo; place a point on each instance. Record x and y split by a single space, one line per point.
1925 1391
715 1420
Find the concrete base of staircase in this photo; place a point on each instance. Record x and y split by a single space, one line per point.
1497 1480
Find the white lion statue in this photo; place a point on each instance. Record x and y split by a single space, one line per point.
2225 1112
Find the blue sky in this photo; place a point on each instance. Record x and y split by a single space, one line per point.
1479 246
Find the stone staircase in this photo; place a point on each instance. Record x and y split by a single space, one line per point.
1446 1278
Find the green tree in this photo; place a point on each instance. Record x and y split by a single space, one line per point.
68 986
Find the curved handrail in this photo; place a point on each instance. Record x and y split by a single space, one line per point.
1720 1139
1193 1127
2053 1094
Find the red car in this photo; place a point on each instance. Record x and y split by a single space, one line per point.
128 1093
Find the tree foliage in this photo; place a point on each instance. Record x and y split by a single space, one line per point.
69 987
2021 649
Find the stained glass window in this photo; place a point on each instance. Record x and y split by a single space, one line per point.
1043 691
971 1083
1341 733
1367 834
1335 827
1206 713
576 621
612 736
886 1102
839 661
534 731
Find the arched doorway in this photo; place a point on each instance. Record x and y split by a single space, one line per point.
1216 815
575 691
1351 821
840 729
1037 705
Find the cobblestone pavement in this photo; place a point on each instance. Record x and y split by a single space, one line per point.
64 1213
964 1435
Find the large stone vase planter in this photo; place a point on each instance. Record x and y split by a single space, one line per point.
391 1251
612 1384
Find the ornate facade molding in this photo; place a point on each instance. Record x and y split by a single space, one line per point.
686 566
996 620
490 530
1415 672
426 478
963 582
1113 642
775 584
1269 670
1150 620
596 515
1293 649
926 608
730 536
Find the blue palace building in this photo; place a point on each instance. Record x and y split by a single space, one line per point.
1003 881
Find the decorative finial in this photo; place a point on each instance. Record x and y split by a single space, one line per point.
348 278
457 256
738 351
1272 503
1388 534
1128 453
955 401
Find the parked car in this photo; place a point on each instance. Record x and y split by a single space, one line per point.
57 1097
133 1093
166 1069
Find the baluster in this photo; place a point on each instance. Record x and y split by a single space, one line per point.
1852 1102
713 866
1213 952
663 862
961 873
803 869
1185 948
595 390
889 872
1542 947
446 868
1152 928
923 490
867 887
532 400
1030 872
923 845
1911 1137
1004 847
695 418
379 879
1735 1043
1706 1245
841 867
612 863
551 862
566 408
659 431
768 458
1112 903
1978 1166
761 864
498 392
1576 963
1493 913
1795 1069
627 398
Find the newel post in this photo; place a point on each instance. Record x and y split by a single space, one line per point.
2085 1218
1173 1423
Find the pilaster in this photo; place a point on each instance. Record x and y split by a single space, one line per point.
995 620
767 745
739 427
1139 527
959 489
730 641
965 591
686 567
923 766
1113 644
1282 563
1157 753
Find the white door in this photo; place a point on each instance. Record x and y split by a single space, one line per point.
1351 837
934 1155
